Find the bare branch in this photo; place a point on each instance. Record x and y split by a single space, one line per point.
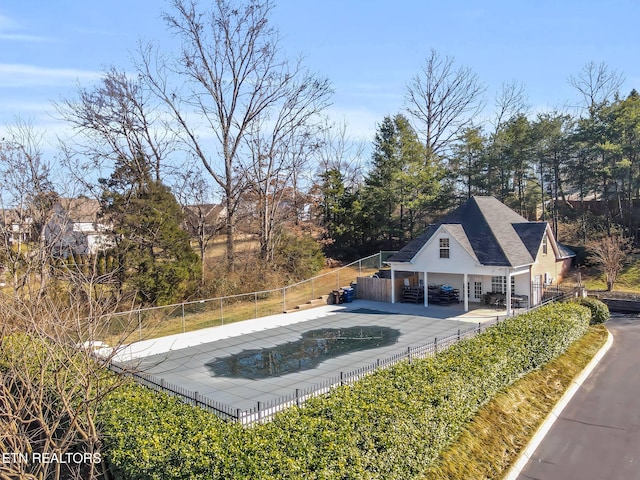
597 85
443 101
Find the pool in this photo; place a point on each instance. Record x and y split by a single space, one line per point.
313 348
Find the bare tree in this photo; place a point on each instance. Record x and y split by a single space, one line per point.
339 151
443 101
610 254
510 101
597 84
52 381
281 145
229 74
203 216
27 196
119 124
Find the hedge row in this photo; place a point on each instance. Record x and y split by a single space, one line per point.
392 424
599 310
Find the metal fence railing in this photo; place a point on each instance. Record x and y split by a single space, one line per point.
154 322
263 411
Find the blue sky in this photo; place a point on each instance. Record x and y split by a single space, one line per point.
369 49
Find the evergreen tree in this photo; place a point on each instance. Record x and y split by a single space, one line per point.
342 217
153 251
467 165
400 186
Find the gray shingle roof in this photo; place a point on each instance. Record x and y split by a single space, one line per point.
497 235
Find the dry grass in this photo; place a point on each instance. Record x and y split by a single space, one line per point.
502 428
628 279
170 320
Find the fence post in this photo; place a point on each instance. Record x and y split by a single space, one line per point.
341 378
196 398
380 260
360 267
409 354
140 324
479 327
183 324
284 299
313 295
458 334
435 345
162 383
259 410
238 415
256 303
297 397
221 313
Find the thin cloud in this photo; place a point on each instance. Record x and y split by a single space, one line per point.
16 37
9 29
20 75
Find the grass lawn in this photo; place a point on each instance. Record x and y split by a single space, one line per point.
628 279
163 321
491 442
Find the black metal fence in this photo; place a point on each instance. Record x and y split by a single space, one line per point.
263 411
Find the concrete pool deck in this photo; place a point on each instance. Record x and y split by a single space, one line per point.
178 341
181 359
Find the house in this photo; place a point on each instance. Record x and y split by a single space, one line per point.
15 226
205 219
74 227
485 247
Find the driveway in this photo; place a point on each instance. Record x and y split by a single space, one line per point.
597 435
195 367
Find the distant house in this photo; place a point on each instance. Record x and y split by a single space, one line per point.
485 247
15 225
205 219
74 227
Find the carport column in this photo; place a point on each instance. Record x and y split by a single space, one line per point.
465 289
508 299
393 285
425 285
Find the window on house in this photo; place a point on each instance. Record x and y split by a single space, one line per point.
544 245
444 248
477 286
499 284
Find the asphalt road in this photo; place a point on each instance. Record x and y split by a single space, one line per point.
597 436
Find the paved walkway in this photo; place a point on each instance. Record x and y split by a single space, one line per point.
597 435
184 364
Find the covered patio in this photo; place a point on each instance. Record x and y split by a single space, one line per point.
503 287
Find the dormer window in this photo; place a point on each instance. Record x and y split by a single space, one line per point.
444 248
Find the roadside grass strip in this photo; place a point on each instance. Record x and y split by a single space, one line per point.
495 437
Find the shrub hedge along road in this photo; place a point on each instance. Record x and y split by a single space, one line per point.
390 425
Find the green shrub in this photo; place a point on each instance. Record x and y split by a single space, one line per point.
392 424
599 310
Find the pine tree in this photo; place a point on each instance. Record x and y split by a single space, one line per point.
153 251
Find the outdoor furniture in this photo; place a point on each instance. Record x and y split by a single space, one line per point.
337 296
519 301
412 294
443 295
499 300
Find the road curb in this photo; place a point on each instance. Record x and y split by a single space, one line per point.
531 447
